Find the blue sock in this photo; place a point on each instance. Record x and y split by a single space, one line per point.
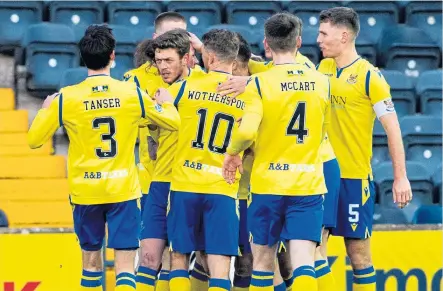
91 279
365 277
220 283
146 276
262 279
125 279
281 287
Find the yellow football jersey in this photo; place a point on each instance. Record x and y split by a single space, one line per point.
101 116
147 78
259 67
245 180
355 89
209 120
294 117
326 151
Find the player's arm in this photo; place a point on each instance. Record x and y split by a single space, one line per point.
45 123
246 133
379 92
160 112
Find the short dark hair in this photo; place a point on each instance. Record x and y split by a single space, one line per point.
342 16
244 50
165 16
281 31
177 39
223 43
144 52
96 46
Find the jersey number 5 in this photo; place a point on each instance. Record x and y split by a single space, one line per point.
295 128
109 137
198 142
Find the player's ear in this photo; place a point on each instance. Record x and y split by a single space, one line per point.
344 37
298 43
154 35
112 56
185 60
234 65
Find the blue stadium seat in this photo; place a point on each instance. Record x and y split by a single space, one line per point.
409 50
134 14
429 90
74 13
366 48
3 219
249 35
380 152
198 13
375 16
309 46
419 177
308 11
422 136
73 76
402 92
428 214
124 51
50 50
250 13
426 15
436 179
15 17
389 215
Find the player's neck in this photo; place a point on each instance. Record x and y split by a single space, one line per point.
283 58
105 71
346 57
221 67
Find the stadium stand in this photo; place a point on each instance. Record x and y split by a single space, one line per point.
250 13
15 17
436 179
73 76
308 11
252 37
426 214
309 45
429 91
198 13
402 92
134 14
124 51
75 13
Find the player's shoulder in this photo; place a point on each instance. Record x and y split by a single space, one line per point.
302 59
326 64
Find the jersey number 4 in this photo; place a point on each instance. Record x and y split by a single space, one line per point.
298 122
198 142
106 137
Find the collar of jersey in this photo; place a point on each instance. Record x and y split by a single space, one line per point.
222 72
286 64
98 75
339 71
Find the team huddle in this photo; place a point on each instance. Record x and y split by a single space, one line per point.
260 161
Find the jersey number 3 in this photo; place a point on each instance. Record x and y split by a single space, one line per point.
198 142
106 137
298 128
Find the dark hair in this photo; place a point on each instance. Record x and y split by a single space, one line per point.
144 52
96 46
177 39
281 32
244 50
341 16
257 58
223 43
165 16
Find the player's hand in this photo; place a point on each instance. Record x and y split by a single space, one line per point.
48 100
234 86
162 95
152 148
401 192
195 42
230 166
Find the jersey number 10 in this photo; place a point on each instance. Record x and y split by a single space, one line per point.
198 142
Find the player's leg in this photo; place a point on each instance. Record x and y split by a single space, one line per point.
200 275
303 238
183 225
123 236
284 262
89 226
221 231
331 170
243 263
163 280
278 282
356 202
153 233
265 222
